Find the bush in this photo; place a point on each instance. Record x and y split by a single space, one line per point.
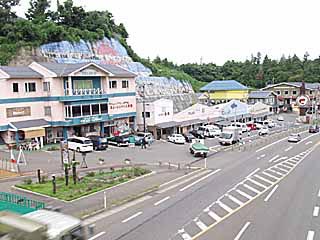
91 174
53 148
27 181
139 171
44 179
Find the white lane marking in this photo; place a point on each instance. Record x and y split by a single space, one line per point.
276 172
274 158
310 235
200 224
199 180
270 175
282 158
234 199
263 179
184 235
96 236
244 194
270 194
307 143
183 182
288 164
176 179
263 155
132 217
288 149
252 189
319 193
253 172
285 168
271 144
214 216
161 201
291 161
225 207
316 211
243 229
257 183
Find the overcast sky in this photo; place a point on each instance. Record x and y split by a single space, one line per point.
214 30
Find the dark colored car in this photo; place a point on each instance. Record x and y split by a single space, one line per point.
99 143
314 129
197 134
119 141
188 137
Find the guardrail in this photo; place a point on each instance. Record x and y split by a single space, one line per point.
20 201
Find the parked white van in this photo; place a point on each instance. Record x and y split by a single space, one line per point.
80 144
242 126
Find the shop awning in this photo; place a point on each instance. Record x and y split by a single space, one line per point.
30 124
33 132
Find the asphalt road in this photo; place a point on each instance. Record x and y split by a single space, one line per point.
203 204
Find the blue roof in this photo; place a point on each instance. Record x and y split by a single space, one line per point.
221 85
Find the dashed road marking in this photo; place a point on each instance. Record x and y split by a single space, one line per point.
214 216
316 211
310 235
319 193
161 201
252 189
270 194
200 224
244 194
307 143
252 173
96 236
263 179
234 199
257 183
274 158
288 149
282 158
132 217
225 207
270 175
243 229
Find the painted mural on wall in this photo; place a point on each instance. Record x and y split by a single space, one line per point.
110 51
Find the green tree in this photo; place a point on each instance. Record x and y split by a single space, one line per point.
7 16
38 11
70 15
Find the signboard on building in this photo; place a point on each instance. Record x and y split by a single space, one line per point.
18 112
120 105
90 119
303 100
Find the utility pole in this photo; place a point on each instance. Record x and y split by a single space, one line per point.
144 107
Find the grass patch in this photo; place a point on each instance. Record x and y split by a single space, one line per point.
91 183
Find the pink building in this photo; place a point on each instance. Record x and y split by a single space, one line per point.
49 101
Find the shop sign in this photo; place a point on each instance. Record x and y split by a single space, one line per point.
91 119
88 72
18 112
120 105
303 100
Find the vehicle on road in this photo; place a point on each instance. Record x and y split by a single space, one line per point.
189 137
258 126
313 129
197 148
80 144
177 138
99 143
197 133
263 131
242 126
119 140
252 126
210 130
229 135
280 118
294 137
146 135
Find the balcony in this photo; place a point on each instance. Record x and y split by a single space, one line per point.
81 92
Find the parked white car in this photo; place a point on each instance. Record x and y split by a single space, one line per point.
242 126
210 130
280 118
259 126
177 138
80 144
263 131
294 137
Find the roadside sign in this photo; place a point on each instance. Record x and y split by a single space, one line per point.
303 100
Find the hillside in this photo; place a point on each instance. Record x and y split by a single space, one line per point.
73 32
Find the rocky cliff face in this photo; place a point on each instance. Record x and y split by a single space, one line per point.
110 51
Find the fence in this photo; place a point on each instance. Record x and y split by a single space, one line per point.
18 204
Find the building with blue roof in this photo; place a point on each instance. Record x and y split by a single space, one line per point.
220 91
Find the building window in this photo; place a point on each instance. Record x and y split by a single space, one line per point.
47 111
294 92
286 92
76 111
86 110
278 92
46 86
92 128
112 84
30 87
95 109
310 92
68 111
125 84
147 114
15 87
104 108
